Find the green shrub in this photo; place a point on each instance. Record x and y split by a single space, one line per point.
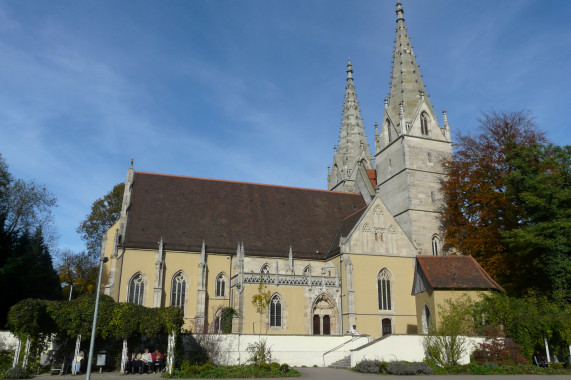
403 368
205 367
556 366
284 368
369 366
16 373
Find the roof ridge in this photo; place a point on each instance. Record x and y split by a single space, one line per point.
247 183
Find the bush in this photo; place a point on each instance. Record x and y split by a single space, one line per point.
284 368
259 352
369 366
415 368
500 352
16 373
556 366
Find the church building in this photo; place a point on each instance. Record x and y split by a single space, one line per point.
367 251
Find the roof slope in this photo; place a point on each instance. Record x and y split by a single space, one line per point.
268 219
452 272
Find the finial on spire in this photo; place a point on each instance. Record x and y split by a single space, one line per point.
376 128
399 11
386 102
349 69
131 164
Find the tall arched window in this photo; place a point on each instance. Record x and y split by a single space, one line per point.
388 127
435 245
178 290
136 289
275 311
384 289
220 285
424 124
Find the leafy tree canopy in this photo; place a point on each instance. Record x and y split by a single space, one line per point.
78 270
507 203
26 268
104 213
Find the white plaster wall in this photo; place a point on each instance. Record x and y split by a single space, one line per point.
403 347
295 350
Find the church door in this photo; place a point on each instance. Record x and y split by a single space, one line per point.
387 326
316 325
326 325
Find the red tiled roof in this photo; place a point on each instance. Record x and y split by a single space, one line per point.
268 219
372 173
455 272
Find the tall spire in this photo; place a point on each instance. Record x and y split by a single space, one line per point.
353 147
407 88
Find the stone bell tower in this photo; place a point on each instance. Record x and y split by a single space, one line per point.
410 148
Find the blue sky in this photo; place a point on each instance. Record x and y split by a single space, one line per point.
249 90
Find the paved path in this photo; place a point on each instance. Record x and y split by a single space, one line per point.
323 374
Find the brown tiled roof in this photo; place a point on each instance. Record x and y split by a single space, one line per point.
268 219
454 272
372 173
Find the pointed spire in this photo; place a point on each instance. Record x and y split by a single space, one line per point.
290 257
407 87
352 139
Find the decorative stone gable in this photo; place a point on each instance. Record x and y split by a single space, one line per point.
378 232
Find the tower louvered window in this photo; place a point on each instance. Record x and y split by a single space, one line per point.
424 124
136 289
178 291
275 312
384 289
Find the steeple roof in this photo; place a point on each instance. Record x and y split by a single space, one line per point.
352 140
353 146
407 87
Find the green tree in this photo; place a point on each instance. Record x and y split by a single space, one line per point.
78 270
446 343
479 206
261 300
539 182
104 213
26 268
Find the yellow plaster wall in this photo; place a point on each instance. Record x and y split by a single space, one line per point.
294 311
138 261
440 297
403 313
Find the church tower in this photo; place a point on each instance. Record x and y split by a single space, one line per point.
410 148
352 155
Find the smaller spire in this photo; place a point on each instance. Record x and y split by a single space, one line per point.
203 253
376 129
131 164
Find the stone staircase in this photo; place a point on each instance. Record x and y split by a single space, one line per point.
342 363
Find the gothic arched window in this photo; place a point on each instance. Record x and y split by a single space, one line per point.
220 285
178 290
136 289
265 271
384 289
424 124
275 311
435 245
